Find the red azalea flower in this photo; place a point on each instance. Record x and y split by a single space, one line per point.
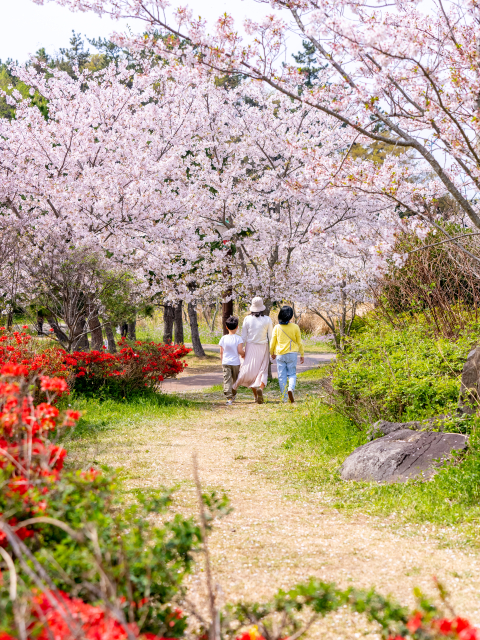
415 622
461 624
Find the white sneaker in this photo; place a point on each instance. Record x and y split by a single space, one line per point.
229 401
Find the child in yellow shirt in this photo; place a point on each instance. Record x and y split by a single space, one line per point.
285 346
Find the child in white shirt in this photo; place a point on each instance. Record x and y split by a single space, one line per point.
231 348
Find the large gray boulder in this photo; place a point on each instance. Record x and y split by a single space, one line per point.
468 401
401 455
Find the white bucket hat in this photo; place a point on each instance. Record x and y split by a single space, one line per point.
257 305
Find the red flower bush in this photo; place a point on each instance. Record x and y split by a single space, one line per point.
36 489
30 463
423 624
58 615
62 617
146 364
17 350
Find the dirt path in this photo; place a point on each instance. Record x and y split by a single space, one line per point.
197 382
277 536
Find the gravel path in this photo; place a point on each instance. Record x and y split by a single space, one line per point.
273 538
277 535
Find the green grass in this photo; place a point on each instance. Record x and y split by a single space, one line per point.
317 442
103 415
313 346
152 329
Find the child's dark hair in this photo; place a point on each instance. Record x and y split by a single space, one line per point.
285 314
231 322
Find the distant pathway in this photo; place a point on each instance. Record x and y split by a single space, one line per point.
200 381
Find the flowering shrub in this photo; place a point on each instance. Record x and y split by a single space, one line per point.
145 364
17 348
426 622
124 571
30 464
60 616
139 366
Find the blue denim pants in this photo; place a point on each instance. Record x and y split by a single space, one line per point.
287 369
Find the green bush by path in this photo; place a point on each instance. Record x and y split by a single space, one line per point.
398 374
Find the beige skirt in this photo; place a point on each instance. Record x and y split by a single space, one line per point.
254 369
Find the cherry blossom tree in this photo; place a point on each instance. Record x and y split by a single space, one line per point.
265 210
406 73
10 281
202 188
106 165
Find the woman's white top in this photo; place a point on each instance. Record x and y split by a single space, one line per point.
257 330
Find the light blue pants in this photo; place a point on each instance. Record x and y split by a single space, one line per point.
287 368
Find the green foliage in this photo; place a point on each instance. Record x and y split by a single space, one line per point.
118 543
8 83
398 374
318 599
308 58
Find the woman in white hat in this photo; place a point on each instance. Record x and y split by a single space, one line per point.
256 333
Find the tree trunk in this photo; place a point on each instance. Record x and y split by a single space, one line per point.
179 323
112 347
132 330
227 307
83 341
9 320
168 317
124 329
39 324
196 343
59 333
80 336
96 331
227 311
211 318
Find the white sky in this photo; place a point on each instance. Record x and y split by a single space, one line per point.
25 26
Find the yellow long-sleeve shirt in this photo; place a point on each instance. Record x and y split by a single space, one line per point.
285 339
